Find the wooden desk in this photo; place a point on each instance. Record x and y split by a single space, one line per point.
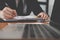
4 24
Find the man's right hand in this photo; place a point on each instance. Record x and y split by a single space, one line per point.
8 13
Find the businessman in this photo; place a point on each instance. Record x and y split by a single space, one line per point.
12 8
55 17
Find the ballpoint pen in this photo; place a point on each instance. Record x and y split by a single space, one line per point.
6 4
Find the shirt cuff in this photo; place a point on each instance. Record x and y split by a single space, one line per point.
1 15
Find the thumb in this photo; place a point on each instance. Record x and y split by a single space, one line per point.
39 15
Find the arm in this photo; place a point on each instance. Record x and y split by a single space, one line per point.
6 12
35 7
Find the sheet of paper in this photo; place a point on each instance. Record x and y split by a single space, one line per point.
23 18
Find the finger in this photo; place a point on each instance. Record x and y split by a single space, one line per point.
40 15
8 9
14 13
8 13
8 16
45 17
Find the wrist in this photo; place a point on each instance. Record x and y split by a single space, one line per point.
1 15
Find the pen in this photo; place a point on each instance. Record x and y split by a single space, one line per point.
6 4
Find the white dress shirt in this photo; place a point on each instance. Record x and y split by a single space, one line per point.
17 1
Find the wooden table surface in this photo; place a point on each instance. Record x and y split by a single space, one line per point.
4 24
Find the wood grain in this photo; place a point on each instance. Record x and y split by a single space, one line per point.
2 25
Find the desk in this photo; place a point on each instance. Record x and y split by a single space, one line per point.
12 30
32 28
3 24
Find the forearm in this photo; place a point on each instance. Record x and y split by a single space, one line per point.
35 7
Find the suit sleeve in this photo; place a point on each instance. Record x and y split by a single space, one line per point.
35 7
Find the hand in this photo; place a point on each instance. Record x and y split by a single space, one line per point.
42 15
9 13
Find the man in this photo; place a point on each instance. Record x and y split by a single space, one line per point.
55 17
11 8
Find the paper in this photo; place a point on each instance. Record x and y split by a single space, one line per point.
23 18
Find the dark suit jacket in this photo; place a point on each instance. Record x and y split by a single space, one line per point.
32 5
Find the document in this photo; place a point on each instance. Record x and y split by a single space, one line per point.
23 18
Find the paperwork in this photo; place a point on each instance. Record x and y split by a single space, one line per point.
17 18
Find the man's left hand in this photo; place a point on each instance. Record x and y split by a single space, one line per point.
42 15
